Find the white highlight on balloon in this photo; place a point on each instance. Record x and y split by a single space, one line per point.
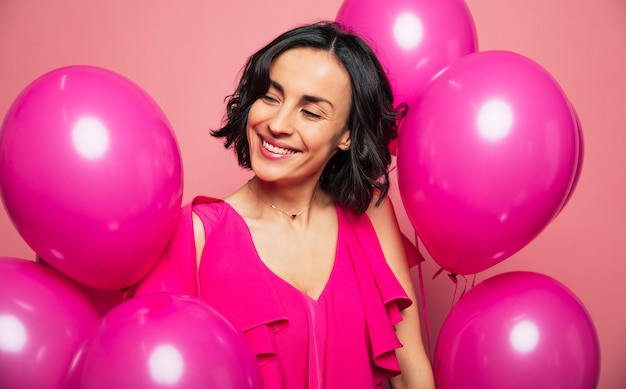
524 336
408 31
90 138
12 334
166 364
495 119
57 254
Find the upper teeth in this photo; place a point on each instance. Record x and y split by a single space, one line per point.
276 150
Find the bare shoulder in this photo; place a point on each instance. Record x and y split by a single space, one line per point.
234 199
385 224
383 216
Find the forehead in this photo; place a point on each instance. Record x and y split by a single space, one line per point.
312 69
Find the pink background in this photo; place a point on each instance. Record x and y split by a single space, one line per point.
186 55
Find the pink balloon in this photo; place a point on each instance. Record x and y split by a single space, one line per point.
518 330
91 174
486 160
414 39
43 319
160 340
581 157
102 300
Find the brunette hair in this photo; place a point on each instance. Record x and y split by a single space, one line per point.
353 177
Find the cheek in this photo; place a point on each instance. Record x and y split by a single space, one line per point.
254 115
339 137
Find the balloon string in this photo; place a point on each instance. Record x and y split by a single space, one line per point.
464 287
437 273
423 297
454 278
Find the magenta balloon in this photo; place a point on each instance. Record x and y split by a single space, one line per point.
160 340
414 39
102 300
43 319
518 330
486 159
90 174
581 157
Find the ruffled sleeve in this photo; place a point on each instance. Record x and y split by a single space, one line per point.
383 295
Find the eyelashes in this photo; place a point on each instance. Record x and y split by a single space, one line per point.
305 112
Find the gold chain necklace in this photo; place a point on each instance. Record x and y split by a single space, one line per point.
292 215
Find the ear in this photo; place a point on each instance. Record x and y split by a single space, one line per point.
344 142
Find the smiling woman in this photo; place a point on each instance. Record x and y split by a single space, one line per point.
301 120
182 54
306 258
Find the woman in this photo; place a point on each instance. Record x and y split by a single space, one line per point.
306 258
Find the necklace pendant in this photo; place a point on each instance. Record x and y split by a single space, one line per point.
290 214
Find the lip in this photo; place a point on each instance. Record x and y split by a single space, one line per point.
270 154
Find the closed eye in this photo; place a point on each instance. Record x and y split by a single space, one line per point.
310 114
269 99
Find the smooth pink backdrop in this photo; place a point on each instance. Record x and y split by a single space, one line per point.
186 55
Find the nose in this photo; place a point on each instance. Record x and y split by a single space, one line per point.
281 121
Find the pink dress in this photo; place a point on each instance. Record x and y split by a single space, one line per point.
344 339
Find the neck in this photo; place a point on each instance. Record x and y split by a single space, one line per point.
292 202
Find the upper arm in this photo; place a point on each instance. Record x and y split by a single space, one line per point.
412 357
388 232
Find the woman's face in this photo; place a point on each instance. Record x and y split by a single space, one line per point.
300 123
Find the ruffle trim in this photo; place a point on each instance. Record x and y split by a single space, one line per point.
377 280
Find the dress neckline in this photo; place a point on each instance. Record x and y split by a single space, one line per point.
269 271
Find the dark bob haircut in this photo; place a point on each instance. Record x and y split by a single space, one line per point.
352 177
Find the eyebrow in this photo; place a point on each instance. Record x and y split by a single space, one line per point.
309 98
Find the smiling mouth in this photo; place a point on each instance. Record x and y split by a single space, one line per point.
275 149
